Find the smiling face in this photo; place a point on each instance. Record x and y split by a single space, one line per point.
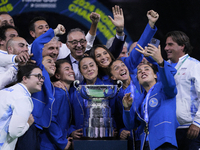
17 45
32 82
89 70
102 57
119 71
51 49
49 65
40 27
65 73
77 49
146 75
173 50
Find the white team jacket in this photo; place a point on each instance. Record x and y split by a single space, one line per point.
188 97
8 69
15 108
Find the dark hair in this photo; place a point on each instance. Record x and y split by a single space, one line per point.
181 39
154 67
110 74
58 65
32 23
84 56
25 71
102 71
4 13
3 30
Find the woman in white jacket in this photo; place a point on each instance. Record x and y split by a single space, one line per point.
16 105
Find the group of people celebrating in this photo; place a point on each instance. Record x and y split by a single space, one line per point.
42 110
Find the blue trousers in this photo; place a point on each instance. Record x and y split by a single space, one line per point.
184 143
30 140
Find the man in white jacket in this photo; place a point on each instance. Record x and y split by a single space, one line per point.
188 84
18 47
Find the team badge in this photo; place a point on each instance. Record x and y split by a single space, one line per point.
153 102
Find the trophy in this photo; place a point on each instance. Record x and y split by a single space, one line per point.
98 122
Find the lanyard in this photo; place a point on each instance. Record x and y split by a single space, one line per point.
182 63
132 86
145 104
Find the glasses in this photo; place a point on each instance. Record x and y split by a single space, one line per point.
39 76
75 42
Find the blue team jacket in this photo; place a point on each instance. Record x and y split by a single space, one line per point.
161 110
55 137
43 100
136 57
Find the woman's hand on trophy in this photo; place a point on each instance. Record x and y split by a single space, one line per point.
127 101
77 134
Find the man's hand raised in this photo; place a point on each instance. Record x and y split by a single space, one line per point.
59 30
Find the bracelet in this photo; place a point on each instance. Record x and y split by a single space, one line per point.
161 64
119 31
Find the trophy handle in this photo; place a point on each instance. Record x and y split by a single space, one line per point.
76 84
119 84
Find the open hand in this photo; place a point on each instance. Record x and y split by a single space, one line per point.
118 20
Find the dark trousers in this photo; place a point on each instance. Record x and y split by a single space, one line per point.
165 146
184 143
30 140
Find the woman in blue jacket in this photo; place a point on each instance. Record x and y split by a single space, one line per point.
89 70
154 112
104 57
56 135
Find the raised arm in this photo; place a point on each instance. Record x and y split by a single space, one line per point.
90 37
135 57
165 70
118 21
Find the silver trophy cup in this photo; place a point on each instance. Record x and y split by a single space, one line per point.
98 122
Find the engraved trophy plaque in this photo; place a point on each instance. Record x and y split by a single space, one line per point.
98 122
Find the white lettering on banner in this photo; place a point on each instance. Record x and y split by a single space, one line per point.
39 1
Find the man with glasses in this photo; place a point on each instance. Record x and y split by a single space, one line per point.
39 26
76 41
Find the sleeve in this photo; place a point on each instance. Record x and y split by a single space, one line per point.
8 76
117 46
38 44
7 59
21 112
90 40
136 57
166 76
55 129
195 74
129 118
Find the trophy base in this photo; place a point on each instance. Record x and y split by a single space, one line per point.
98 138
106 143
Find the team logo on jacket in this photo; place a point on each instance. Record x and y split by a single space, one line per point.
153 102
